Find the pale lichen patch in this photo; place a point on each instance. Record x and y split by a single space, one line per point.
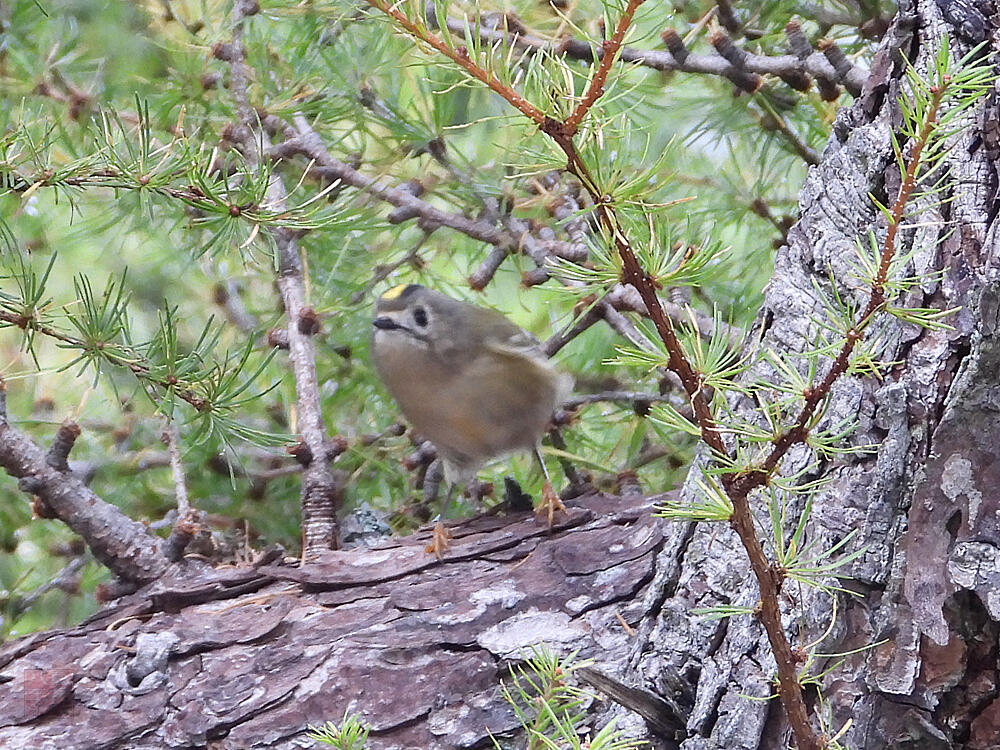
958 479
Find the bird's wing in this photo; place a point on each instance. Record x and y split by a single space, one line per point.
524 347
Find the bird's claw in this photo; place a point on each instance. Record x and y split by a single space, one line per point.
440 541
550 505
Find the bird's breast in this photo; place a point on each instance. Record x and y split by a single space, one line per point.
480 409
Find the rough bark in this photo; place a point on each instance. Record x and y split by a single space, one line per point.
925 505
249 657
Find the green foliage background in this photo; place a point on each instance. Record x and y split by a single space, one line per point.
154 101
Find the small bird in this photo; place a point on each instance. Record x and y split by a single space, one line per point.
470 381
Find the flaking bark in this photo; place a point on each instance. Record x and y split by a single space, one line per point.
249 657
925 505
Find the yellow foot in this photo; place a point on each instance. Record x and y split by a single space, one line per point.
550 505
440 541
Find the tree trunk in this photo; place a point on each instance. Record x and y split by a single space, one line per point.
248 657
926 506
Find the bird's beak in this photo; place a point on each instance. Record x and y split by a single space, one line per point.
385 324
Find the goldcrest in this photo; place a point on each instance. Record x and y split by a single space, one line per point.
468 379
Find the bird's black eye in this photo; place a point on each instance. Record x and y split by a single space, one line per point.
420 316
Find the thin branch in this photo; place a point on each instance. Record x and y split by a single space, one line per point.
841 64
624 298
171 437
321 492
461 56
621 325
303 140
814 396
805 152
634 397
106 177
566 207
739 486
609 52
558 340
67 579
816 65
226 294
118 355
481 277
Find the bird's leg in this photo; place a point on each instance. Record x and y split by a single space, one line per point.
551 504
440 538
440 541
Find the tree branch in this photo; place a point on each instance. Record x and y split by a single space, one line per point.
302 139
609 51
321 492
129 358
816 64
124 546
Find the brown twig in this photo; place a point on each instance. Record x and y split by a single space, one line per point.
804 151
841 64
321 492
739 486
460 56
112 179
609 52
814 395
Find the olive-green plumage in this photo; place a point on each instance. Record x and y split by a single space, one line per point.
468 379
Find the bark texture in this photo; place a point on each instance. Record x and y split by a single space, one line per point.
249 657
926 506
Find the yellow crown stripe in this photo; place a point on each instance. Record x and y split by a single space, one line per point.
395 292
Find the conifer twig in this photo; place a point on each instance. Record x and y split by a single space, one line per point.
814 396
303 139
460 56
816 64
120 355
609 52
